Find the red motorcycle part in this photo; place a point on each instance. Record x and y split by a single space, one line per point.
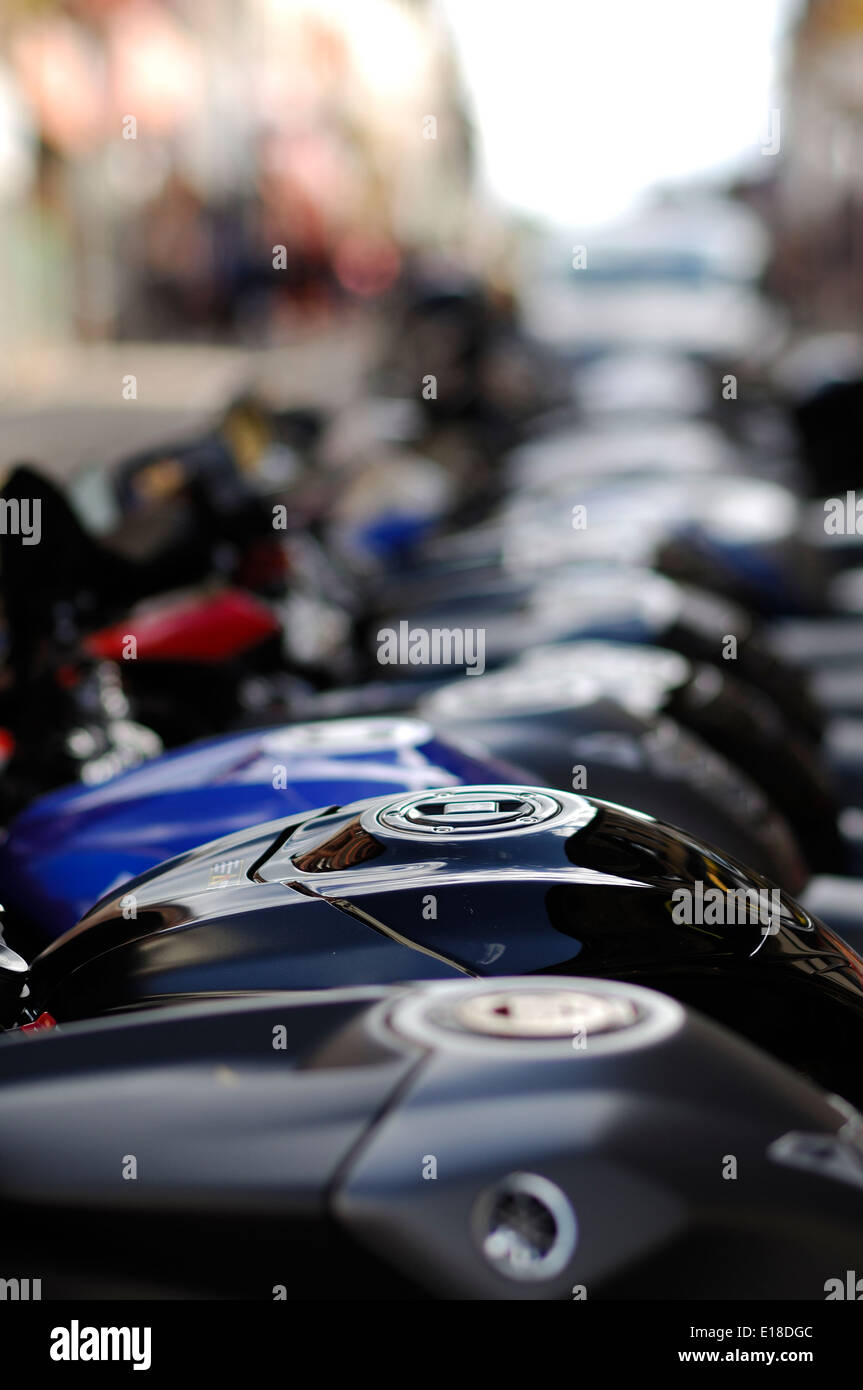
206 629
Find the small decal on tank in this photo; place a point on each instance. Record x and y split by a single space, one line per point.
225 872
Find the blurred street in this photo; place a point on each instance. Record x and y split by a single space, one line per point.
62 406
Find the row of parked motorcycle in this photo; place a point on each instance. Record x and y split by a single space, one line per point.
367 776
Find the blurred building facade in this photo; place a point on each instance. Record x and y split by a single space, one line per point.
170 168
816 203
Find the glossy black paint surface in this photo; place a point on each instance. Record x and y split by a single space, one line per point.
283 1141
340 898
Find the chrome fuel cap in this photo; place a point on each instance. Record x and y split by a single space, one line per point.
338 737
551 1017
527 1013
460 811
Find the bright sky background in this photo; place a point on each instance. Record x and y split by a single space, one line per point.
581 105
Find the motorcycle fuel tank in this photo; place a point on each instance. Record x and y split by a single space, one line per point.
72 846
296 1123
479 880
